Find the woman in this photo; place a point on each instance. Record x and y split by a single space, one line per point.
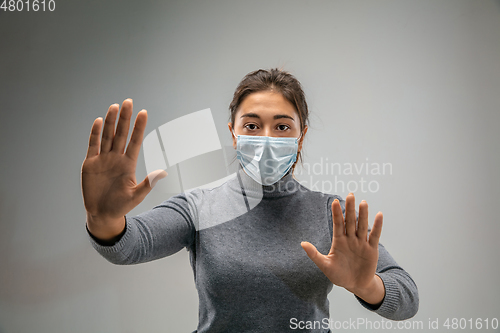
244 236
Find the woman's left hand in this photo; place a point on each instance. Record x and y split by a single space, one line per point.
352 260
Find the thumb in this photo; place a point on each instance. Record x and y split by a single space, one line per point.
148 183
155 176
314 254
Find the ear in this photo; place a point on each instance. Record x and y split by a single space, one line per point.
232 135
302 139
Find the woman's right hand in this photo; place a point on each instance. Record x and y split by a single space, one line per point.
109 185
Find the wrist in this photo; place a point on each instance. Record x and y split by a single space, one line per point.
105 229
373 293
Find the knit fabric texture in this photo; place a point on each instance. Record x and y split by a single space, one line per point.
250 270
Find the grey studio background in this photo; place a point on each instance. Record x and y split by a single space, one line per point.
411 83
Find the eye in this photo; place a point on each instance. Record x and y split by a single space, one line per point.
251 127
283 127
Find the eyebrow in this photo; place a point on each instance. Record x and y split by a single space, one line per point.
277 116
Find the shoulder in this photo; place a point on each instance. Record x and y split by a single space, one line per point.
215 205
210 192
318 195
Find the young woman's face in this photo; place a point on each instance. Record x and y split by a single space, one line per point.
266 113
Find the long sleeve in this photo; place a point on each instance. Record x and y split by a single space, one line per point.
159 232
401 294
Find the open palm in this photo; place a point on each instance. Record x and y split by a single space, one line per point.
109 186
352 260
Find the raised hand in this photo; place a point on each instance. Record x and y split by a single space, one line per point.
352 260
109 185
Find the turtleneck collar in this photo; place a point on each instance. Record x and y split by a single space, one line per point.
283 187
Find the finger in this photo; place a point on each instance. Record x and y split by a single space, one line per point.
109 128
143 188
350 215
362 231
155 176
313 254
94 139
120 139
376 230
338 219
134 146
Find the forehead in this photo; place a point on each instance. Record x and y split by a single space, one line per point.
266 103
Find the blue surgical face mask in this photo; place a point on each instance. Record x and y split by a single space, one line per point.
266 159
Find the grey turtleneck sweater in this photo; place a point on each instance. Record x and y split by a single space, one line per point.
250 270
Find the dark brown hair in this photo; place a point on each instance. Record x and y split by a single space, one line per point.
276 80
